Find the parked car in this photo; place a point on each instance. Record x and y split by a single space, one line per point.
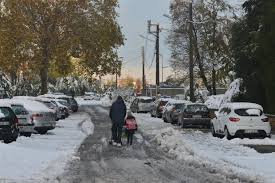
73 106
43 117
47 102
62 106
8 124
158 107
172 109
25 122
241 120
195 115
142 104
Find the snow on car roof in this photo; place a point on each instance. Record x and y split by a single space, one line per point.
5 103
144 98
54 96
31 105
165 99
173 101
243 105
24 97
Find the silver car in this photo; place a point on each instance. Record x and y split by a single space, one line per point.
142 104
42 117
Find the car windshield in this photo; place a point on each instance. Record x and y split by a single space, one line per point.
49 105
179 106
146 100
196 108
19 110
63 103
5 112
249 112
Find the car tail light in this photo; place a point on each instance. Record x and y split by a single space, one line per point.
16 120
173 109
37 115
265 120
234 119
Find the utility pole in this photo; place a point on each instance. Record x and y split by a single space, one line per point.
191 61
157 56
156 34
143 71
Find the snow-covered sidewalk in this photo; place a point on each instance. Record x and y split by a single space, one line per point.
42 158
218 155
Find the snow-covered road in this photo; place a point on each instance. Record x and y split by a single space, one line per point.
218 155
41 158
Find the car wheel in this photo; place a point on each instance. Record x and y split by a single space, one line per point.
268 136
182 123
42 132
7 141
227 134
26 134
213 130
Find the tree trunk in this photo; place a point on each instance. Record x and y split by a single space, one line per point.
45 65
44 80
214 91
200 63
13 78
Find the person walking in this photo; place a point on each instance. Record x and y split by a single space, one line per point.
130 127
117 115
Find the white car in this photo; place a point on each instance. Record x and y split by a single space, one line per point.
240 120
142 104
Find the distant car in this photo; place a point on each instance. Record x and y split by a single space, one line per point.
25 122
63 109
43 117
241 120
195 115
73 106
158 107
8 124
172 109
142 104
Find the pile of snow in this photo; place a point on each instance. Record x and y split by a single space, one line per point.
233 90
218 155
41 158
216 101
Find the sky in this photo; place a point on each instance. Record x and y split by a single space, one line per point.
133 17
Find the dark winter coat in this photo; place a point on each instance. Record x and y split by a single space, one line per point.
118 111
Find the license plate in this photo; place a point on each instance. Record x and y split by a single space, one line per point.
22 120
196 116
4 123
251 131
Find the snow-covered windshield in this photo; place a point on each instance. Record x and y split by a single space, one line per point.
196 108
249 112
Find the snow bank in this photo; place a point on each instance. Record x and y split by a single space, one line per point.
44 157
218 155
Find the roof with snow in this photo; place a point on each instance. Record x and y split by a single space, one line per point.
173 101
31 105
243 105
